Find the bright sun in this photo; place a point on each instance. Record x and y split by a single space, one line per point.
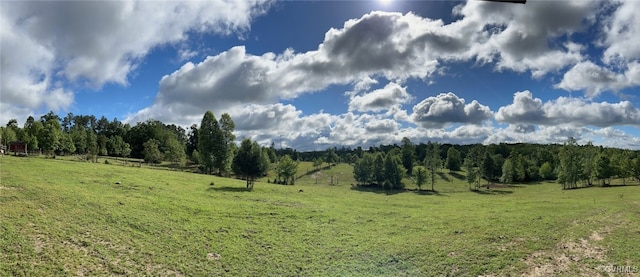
385 2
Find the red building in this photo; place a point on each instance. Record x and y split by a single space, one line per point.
18 147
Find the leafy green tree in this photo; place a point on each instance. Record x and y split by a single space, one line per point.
635 168
92 145
151 151
602 168
7 135
546 172
570 164
473 173
49 137
393 173
209 138
378 169
408 155
286 170
508 172
454 159
175 151
223 159
363 169
249 162
192 140
317 162
331 157
432 163
79 137
488 168
66 144
421 176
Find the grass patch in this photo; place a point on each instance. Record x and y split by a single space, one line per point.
60 217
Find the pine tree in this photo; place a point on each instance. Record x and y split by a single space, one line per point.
209 137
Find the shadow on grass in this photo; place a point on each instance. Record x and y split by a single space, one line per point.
229 189
427 192
457 175
444 176
492 192
380 190
376 190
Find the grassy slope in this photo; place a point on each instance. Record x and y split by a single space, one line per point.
71 218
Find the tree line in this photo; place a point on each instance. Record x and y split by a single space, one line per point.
572 165
212 146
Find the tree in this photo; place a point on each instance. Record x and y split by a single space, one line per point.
175 151
421 176
454 160
432 163
546 172
192 140
209 138
602 168
49 137
378 173
7 135
286 170
249 162
393 172
508 172
331 157
223 158
66 144
363 169
488 168
151 152
92 146
408 155
317 162
570 164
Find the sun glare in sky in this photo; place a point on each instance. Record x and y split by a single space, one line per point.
385 2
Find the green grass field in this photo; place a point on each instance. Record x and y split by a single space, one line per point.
61 217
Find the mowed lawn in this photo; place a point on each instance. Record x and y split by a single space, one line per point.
72 218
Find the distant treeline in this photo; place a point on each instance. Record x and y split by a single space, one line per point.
212 146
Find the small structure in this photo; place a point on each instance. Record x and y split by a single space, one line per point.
18 147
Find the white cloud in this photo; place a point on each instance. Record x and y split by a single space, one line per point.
439 111
517 37
380 99
573 111
622 33
97 42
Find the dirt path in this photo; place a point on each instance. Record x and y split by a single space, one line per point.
571 257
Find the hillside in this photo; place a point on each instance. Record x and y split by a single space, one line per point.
76 218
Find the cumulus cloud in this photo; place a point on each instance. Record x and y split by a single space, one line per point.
594 79
97 42
526 109
439 111
517 37
381 99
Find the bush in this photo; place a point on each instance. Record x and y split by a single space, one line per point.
212 184
106 161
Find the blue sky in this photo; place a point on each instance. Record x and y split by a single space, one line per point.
316 74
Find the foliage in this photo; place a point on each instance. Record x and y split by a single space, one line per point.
393 173
454 160
432 163
408 155
546 172
151 152
209 142
570 165
508 172
250 162
286 170
421 176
